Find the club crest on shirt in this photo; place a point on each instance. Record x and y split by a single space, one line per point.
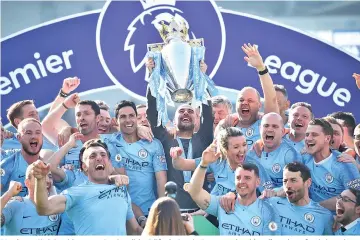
142 153
2 172
276 168
329 178
249 132
54 217
118 158
256 221
273 226
309 217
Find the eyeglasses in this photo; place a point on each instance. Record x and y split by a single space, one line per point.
357 137
344 199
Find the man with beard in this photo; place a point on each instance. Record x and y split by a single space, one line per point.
299 215
251 216
329 176
192 143
19 216
248 102
18 112
276 153
87 114
348 212
95 207
144 161
14 167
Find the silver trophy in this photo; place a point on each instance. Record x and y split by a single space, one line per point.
176 55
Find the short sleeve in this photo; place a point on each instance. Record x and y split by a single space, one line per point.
67 182
115 155
272 224
6 169
11 209
70 199
213 208
328 220
159 159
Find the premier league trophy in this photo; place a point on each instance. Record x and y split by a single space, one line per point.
176 77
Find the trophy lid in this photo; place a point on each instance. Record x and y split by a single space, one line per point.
176 29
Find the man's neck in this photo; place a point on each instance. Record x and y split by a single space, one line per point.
104 181
296 137
303 201
321 155
92 135
184 134
269 150
246 201
30 158
347 222
130 138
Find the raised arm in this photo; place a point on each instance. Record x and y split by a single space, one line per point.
254 59
45 206
69 85
14 189
197 193
207 124
51 121
181 163
58 174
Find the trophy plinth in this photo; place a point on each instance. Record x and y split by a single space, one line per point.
182 96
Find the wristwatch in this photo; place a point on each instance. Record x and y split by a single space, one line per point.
263 72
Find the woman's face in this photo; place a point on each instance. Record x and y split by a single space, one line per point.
237 149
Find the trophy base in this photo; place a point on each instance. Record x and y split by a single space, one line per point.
182 96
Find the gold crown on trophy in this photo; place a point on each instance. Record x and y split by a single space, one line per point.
176 29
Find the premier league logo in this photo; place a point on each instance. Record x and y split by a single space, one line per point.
122 56
256 221
309 217
118 158
54 218
329 178
273 226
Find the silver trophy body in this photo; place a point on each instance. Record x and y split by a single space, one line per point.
176 56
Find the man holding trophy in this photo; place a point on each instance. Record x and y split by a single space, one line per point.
176 77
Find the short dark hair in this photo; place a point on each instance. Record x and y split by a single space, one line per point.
356 192
102 105
348 118
92 143
141 106
124 103
299 167
282 89
15 111
332 120
94 106
326 127
249 167
305 105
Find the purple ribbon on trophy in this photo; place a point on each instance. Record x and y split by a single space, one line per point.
176 77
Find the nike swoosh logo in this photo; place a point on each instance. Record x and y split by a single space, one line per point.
118 145
280 203
26 216
21 176
221 177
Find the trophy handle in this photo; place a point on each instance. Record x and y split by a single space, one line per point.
155 47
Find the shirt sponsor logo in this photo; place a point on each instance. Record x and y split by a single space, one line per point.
296 226
44 231
238 230
115 192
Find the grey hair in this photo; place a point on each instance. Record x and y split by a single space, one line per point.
216 100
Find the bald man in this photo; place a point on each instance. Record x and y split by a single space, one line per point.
276 152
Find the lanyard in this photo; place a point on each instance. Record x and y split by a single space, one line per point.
189 155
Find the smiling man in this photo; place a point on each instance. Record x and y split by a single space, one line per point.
276 153
106 208
348 212
329 176
14 167
299 215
